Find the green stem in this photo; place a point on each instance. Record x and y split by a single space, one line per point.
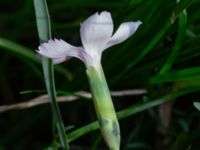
44 32
104 107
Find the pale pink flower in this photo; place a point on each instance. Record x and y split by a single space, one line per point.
96 35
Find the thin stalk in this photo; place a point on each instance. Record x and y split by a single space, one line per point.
44 32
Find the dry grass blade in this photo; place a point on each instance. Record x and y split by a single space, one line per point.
43 99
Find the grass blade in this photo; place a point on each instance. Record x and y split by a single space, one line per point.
44 32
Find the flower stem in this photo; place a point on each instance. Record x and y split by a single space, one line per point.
104 107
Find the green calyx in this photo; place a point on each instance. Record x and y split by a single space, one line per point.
104 107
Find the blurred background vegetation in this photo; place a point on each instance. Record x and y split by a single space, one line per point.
161 58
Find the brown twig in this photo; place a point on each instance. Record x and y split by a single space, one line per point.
43 99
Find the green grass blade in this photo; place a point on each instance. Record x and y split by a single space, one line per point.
184 74
182 21
18 49
44 32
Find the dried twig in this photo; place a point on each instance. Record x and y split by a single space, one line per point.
43 99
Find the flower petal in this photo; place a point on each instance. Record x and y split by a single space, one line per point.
55 48
124 31
60 51
59 60
96 32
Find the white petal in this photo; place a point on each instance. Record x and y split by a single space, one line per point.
124 31
60 51
59 60
96 32
56 48
78 53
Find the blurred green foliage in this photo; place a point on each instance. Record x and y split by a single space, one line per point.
168 37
